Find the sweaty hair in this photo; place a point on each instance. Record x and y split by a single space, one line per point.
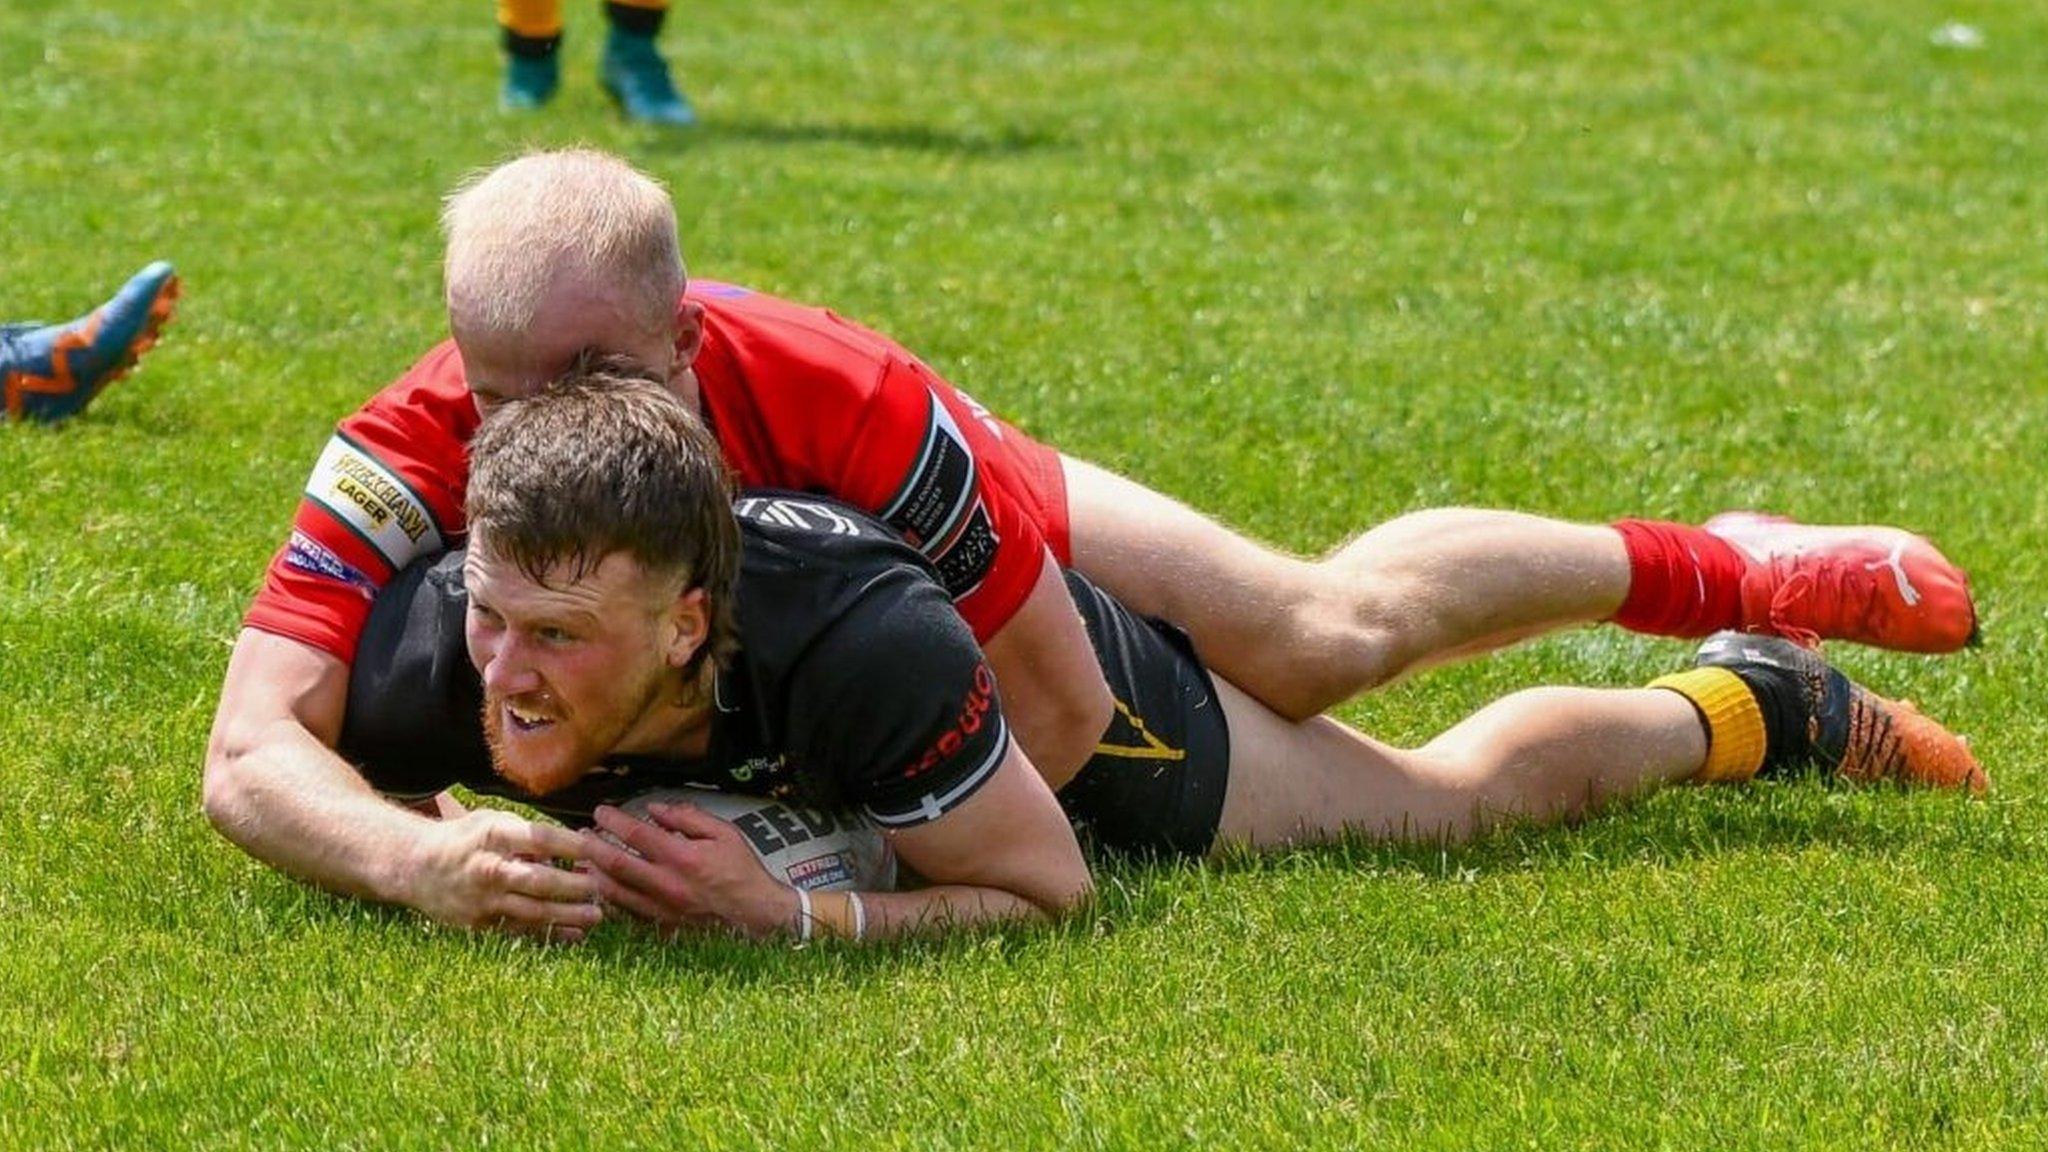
515 230
606 460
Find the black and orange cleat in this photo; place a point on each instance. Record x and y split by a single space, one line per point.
1816 716
51 372
1868 584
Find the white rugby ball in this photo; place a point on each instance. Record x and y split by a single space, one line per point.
816 849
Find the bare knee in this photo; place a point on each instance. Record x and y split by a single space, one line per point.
1327 648
1293 633
1361 619
1446 583
1370 612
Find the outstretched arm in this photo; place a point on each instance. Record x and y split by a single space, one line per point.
1006 853
275 786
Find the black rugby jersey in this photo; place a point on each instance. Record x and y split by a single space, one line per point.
856 683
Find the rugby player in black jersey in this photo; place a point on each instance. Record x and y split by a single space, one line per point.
615 627
597 605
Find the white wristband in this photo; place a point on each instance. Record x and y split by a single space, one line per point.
860 915
803 914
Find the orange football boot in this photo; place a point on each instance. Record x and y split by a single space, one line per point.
1850 732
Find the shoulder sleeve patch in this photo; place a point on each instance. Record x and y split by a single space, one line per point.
373 501
966 558
313 558
939 508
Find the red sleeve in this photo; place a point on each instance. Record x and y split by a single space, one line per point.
937 469
804 399
387 489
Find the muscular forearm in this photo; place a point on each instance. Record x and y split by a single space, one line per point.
294 804
889 915
275 786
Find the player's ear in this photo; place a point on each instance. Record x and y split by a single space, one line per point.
688 627
689 333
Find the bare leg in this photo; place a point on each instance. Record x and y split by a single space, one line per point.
1303 635
1546 754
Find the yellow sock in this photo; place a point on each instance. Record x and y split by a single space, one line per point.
1735 724
532 19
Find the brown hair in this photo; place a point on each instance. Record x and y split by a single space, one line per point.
603 460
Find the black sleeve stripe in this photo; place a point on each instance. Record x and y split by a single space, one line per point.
940 488
933 805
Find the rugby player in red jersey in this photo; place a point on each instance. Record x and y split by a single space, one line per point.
558 253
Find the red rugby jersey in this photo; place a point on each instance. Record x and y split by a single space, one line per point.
798 398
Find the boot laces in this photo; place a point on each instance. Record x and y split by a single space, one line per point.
1813 597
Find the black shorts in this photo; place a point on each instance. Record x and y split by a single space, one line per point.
1155 784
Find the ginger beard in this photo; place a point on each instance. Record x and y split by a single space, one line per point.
577 666
543 746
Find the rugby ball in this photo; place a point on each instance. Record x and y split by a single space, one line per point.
816 849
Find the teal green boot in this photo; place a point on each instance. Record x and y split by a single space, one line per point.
532 70
637 77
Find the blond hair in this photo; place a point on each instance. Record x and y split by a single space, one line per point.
515 230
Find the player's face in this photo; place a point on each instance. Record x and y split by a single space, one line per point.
575 670
573 318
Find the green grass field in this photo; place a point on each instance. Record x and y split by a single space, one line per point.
1307 265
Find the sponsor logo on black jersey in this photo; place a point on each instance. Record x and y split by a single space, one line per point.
804 515
932 805
745 771
973 713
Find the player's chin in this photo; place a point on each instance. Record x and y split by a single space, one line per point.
540 779
538 761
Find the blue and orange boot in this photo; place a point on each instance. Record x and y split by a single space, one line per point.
51 372
638 78
1779 709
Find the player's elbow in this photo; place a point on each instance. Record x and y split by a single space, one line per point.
1061 885
279 696
224 789
231 787
1068 728
1078 891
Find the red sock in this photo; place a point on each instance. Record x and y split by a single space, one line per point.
1683 580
